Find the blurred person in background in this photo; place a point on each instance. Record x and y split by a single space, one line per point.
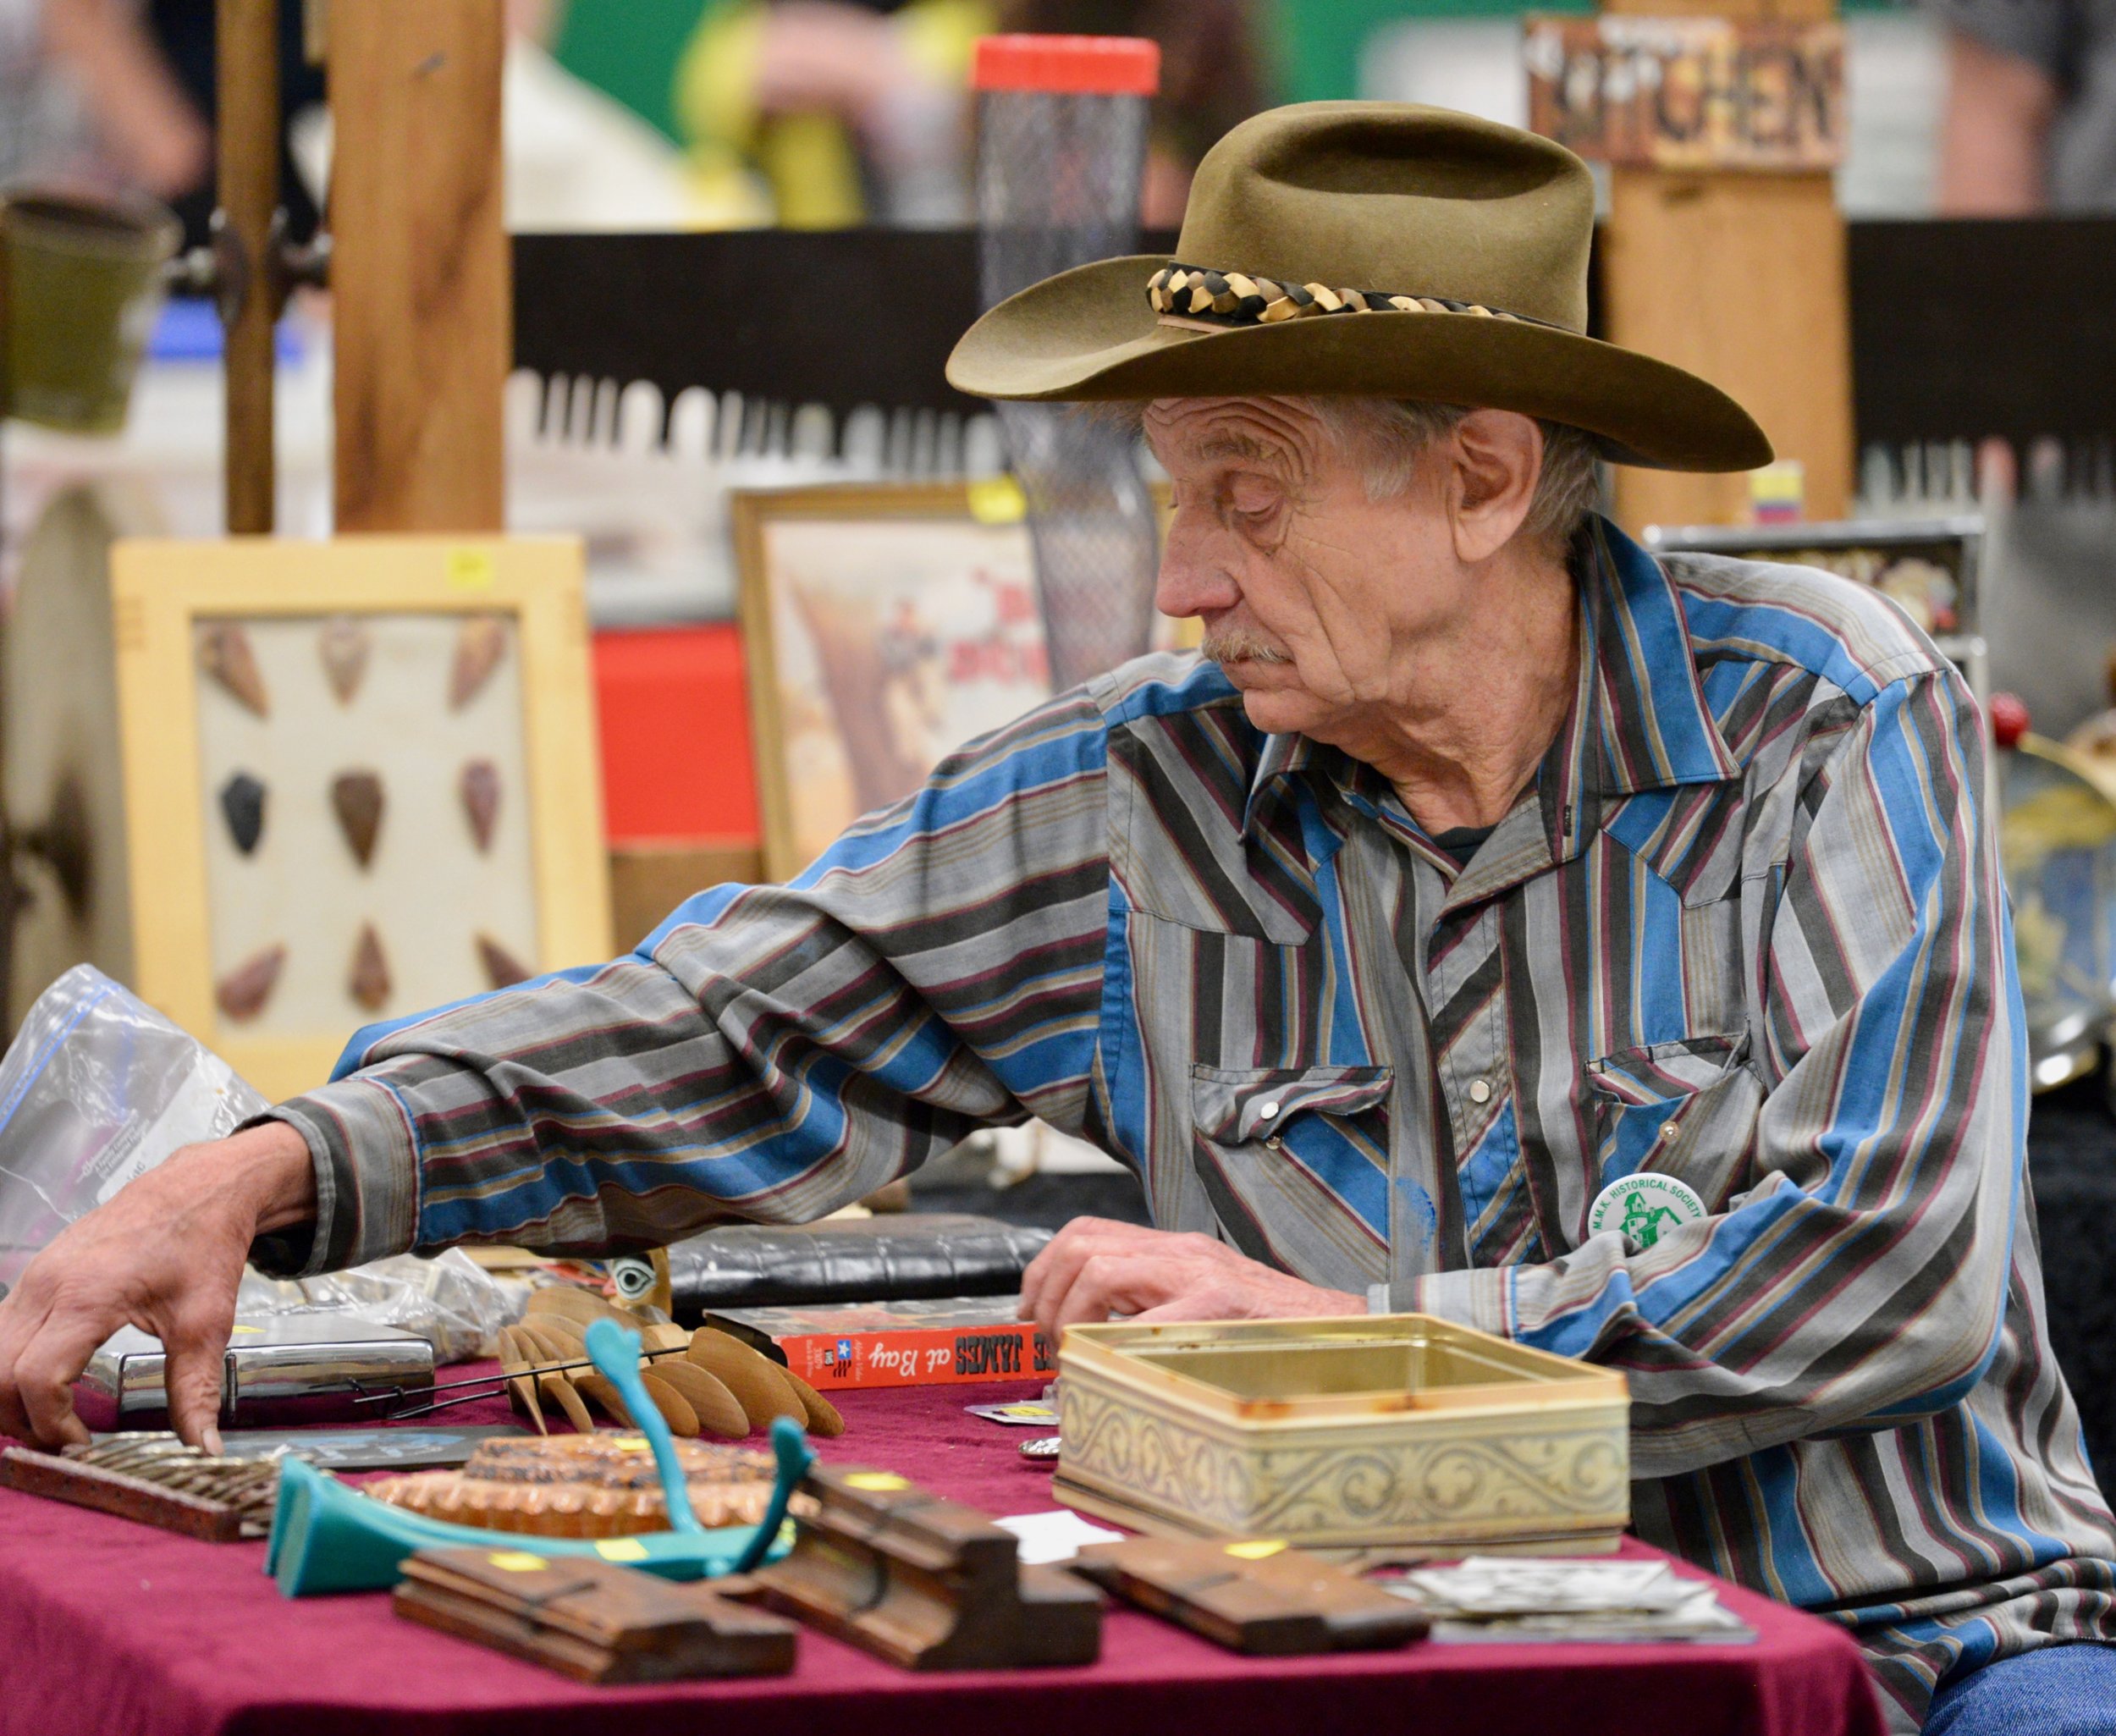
835 113
183 30
843 113
86 98
2031 119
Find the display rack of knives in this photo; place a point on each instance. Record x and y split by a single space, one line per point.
618 308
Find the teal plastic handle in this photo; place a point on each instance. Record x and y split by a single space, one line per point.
790 1448
616 1353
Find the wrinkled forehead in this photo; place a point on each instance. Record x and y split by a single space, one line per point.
1277 433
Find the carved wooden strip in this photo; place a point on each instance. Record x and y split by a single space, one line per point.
134 1498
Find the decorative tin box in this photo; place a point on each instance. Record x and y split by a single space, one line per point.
1396 1430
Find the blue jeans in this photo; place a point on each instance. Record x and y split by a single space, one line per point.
2061 1690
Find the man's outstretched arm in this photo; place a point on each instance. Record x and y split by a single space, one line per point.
164 1255
770 1053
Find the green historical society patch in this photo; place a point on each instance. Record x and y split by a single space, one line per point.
1643 1207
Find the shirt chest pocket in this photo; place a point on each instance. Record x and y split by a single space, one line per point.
1686 1109
1287 1155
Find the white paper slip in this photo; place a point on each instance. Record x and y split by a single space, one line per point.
1053 1536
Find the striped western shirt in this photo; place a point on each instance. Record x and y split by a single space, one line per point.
1745 928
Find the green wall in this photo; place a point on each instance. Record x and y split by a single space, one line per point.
629 48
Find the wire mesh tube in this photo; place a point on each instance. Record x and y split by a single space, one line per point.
1061 148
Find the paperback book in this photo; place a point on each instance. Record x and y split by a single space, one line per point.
940 1342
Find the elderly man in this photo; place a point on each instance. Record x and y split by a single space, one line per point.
1495 922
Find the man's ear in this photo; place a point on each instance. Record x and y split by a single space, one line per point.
1497 457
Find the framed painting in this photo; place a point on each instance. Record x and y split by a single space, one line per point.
360 781
883 626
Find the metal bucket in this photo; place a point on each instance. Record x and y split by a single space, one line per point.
80 284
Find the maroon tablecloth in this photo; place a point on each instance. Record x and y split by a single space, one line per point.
114 1628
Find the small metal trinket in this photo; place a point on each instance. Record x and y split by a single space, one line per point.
1043 1447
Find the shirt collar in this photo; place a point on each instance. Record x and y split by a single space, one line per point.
1640 721
1653 728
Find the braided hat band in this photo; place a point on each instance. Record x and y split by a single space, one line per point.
1185 293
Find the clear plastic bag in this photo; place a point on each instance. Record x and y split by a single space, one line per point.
450 1301
98 1089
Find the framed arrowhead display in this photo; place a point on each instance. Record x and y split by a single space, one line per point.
364 773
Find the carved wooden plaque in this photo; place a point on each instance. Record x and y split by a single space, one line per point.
1689 93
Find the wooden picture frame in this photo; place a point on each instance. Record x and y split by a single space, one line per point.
415 603
885 543
881 540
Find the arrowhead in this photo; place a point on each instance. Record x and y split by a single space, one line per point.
357 799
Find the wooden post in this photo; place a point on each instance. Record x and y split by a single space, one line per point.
1739 276
422 312
246 49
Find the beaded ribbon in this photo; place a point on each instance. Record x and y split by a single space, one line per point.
1234 298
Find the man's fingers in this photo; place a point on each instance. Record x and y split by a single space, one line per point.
1128 1283
1057 1254
192 1377
45 1370
1059 1277
1052 1272
15 1322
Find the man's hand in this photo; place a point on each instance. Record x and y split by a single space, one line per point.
1093 1269
165 1255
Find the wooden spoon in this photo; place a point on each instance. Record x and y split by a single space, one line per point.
514 1361
682 1420
718 1409
758 1383
824 1417
600 1389
569 1400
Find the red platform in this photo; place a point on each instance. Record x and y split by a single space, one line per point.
111 1627
675 719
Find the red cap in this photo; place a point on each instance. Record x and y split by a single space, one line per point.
1071 66
2009 718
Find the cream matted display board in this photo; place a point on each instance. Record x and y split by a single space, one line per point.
360 781
883 627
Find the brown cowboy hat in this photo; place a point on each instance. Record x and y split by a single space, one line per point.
1372 248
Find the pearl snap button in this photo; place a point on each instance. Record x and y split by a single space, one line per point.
1479 1091
1269 1110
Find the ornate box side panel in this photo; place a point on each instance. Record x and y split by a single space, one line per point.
1412 1478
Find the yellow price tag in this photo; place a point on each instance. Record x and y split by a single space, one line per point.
877 1482
997 500
518 1560
472 569
621 1549
1256 1549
